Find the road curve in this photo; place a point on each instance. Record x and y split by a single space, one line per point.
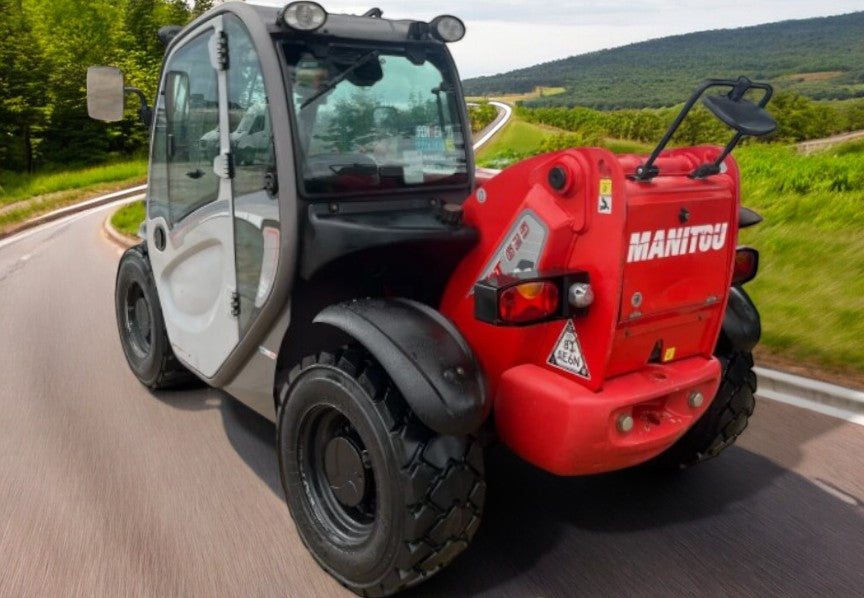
486 135
107 489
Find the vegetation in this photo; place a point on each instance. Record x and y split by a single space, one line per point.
45 49
481 115
809 289
821 58
26 196
799 119
15 187
128 219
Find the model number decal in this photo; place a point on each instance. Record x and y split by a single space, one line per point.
567 353
520 250
652 245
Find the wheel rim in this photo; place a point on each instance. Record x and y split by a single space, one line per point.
138 320
337 475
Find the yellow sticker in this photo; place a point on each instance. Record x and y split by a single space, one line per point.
669 355
605 186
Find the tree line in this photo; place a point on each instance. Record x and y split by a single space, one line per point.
45 49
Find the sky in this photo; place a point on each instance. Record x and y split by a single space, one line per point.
503 35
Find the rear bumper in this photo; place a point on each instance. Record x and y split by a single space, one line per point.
561 426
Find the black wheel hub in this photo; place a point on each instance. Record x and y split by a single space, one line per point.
338 476
343 465
138 320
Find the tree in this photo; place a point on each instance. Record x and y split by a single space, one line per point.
22 98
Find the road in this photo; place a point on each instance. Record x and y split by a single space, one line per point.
504 113
107 489
814 145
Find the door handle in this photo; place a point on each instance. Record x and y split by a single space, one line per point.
159 237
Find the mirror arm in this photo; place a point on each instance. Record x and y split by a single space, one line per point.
144 112
648 171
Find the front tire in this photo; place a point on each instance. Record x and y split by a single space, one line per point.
381 501
141 324
725 419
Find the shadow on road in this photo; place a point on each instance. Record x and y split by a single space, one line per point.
738 524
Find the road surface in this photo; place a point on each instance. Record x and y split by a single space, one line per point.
107 489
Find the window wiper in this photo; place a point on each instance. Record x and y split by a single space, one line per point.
331 83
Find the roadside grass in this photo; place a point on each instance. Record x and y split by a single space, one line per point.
810 287
521 139
518 137
15 186
128 219
26 196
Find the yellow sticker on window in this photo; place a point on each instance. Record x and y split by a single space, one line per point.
669 355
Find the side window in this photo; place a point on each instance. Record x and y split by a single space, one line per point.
256 214
251 137
186 134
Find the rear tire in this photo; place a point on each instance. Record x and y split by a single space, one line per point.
723 422
380 501
141 325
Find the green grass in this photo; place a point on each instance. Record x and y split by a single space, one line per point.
24 196
16 187
128 218
810 287
518 136
520 139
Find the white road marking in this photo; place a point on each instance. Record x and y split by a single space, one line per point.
845 414
849 500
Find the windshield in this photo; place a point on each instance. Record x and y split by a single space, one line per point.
370 120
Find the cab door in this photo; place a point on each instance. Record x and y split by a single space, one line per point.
190 209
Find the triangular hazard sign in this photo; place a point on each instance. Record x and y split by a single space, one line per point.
567 353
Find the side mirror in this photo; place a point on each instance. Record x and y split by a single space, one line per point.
742 115
105 92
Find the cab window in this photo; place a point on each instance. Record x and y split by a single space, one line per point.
186 134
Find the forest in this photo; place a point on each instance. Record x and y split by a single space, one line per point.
45 49
820 58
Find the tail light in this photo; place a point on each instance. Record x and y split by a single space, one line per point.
746 265
508 300
529 302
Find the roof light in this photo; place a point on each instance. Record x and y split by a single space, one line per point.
303 16
448 28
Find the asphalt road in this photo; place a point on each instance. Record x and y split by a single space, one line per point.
107 489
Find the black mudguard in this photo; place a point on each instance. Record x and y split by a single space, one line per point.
741 324
424 354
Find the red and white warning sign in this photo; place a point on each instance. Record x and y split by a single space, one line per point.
567 353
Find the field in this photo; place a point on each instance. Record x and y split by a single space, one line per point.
810 287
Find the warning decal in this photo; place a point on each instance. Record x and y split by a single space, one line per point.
567 353
604 200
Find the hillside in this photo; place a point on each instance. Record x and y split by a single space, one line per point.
822 58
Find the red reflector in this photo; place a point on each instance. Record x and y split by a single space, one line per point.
746 265
528 301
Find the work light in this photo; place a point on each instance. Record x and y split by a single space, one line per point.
303 16
448 28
